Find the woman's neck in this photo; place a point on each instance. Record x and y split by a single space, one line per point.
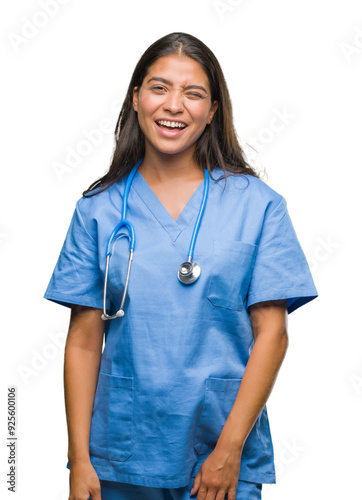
162 168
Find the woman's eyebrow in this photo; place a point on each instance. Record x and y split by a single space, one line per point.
167 82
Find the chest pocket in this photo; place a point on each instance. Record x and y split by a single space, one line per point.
232 264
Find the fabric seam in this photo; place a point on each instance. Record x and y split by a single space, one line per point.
82 221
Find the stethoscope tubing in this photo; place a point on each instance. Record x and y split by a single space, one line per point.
128 187
132 235
199 217
132 239
132 242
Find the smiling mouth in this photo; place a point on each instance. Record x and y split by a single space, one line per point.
171 124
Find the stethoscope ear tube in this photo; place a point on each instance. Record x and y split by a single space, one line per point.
132 238
120 311
132 242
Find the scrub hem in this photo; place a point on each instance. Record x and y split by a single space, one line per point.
152 482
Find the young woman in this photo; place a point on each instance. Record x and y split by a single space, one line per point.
188 264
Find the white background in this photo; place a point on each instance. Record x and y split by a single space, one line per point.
302 59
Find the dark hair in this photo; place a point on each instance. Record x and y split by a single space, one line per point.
217 146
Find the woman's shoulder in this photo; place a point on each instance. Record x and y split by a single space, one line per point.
254 188
95 207
99 199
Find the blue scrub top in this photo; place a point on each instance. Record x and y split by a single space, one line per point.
172 366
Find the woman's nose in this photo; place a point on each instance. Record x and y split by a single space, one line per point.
174 102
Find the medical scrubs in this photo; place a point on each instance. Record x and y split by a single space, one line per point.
111 490
172 366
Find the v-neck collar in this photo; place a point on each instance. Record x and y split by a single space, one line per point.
159 212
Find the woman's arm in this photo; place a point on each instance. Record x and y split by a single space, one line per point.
269 323
83 350
220 470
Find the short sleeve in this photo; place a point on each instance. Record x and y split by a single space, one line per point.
77 278
281 269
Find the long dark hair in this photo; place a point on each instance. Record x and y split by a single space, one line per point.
217 146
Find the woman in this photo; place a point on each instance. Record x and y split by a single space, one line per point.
175 404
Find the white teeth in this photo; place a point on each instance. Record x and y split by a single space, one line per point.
171 124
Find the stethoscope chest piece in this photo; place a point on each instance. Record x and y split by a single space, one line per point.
188 272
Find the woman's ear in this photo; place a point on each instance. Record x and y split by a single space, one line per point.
213 109
135 99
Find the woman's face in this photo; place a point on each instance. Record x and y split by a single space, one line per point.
174 104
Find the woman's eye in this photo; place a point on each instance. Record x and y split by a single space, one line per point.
194 95
158 88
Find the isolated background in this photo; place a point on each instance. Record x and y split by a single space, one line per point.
68 77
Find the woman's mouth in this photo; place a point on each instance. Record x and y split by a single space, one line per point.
170 128
171 124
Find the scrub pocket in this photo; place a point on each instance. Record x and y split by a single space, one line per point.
232 265
112 418
220 394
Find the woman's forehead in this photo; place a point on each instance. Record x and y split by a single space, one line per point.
178 70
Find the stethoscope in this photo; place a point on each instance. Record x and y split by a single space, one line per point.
188 271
